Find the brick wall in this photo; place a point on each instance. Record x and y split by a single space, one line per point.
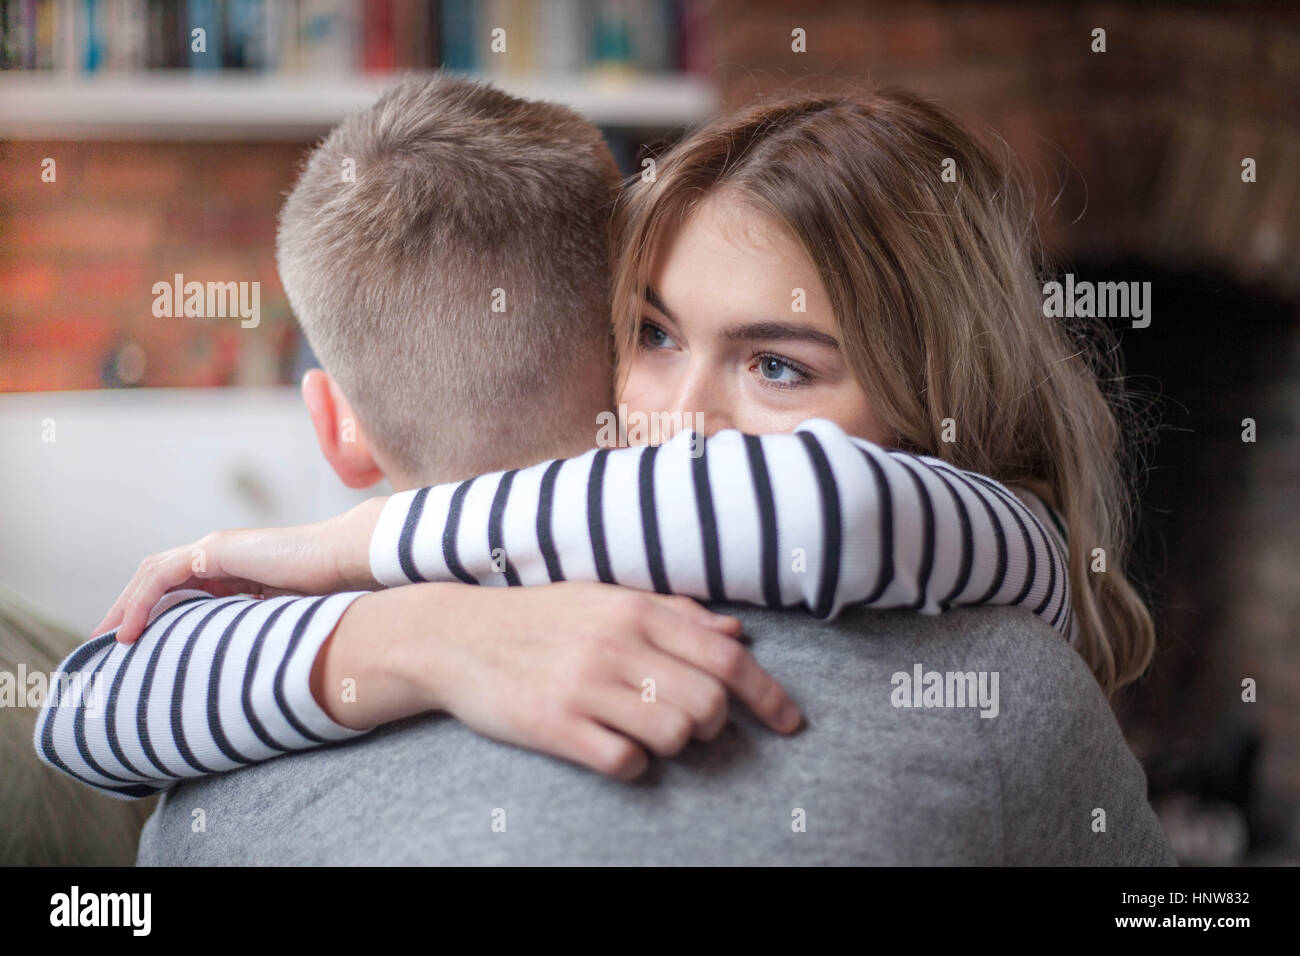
79 257
1144 142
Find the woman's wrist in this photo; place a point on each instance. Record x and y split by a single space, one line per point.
350 534
383 662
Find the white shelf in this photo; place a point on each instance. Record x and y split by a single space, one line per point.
232 106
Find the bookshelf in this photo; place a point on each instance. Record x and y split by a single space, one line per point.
237 70
234 106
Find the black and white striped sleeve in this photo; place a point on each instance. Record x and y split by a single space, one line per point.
213 684
814 519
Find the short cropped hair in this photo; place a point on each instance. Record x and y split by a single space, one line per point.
446 253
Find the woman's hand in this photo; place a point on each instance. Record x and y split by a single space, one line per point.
558 668
320 558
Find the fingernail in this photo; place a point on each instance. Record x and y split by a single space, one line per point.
789 717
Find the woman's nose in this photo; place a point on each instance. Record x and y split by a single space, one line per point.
701 406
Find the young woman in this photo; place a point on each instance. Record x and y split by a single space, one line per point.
860 260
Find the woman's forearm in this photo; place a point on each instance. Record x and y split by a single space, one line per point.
373 668
219 683
815 518
546 668
348 539
212 684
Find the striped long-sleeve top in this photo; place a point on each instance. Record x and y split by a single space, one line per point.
212 684
814 519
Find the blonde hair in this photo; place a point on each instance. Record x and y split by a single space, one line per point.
937 291
461 198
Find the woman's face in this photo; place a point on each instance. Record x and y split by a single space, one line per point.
726 337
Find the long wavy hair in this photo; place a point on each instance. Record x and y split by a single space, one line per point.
936 283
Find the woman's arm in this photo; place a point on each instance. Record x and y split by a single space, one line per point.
219 683
213 684
587 672
815 519
323 557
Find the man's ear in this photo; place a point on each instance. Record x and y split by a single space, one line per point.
338 432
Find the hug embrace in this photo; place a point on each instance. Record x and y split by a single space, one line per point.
893 463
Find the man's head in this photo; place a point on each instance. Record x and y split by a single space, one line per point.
446 253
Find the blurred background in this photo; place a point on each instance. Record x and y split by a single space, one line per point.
133 149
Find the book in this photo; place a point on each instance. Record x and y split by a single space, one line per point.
377 41
552 37
202 35
329 36
45 35
562 31
459 35
126 34
612 37
90 35
245 44
652 31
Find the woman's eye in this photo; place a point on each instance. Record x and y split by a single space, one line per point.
779 371
653 337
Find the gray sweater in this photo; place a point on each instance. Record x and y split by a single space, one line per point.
1044 778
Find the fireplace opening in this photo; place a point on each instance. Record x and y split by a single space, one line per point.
1217 555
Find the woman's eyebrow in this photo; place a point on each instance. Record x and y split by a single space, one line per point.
780 331
652 297
758 331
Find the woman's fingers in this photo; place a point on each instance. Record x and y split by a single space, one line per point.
154 578
657 681
657 724
118 614
692 610
724 657
200 565
567 669
586 742
114 616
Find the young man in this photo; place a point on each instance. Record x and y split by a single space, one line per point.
446 253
